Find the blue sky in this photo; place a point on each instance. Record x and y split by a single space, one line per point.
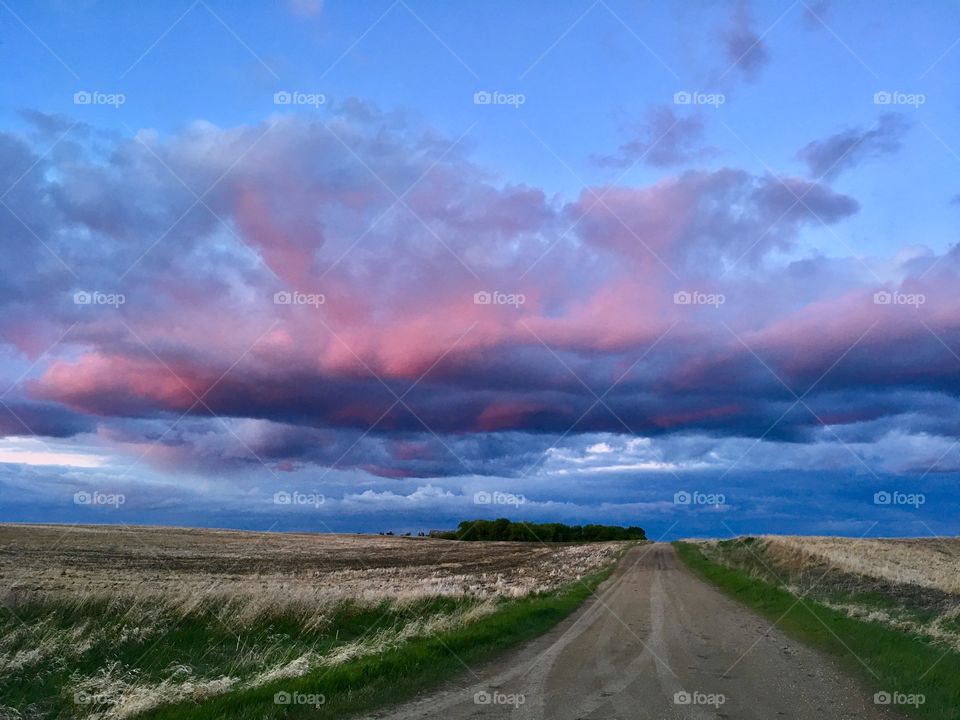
596 197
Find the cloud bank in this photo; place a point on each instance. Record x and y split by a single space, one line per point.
352 291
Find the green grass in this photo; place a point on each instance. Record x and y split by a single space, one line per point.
208 648
896 660
397 674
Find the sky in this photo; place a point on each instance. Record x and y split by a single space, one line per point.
358 267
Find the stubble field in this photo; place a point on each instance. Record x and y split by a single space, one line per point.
116 622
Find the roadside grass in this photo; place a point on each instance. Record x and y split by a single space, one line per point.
887 659
151 660
399 673
52 648
871 592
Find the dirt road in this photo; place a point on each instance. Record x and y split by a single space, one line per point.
657 642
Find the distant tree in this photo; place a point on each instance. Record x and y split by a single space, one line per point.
503 529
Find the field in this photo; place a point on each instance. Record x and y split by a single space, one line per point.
889 607
911 585
116 622
926 562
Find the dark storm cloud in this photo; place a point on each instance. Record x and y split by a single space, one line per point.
399 372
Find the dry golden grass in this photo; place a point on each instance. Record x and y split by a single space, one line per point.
909 584
133 586
125 695
927 562
252 574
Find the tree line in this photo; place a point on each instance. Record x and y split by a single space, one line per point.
504 529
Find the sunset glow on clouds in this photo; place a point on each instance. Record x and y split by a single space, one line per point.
361 299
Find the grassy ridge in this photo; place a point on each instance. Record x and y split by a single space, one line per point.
902 662
397 674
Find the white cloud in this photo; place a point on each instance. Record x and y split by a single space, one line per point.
423 494
30 451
